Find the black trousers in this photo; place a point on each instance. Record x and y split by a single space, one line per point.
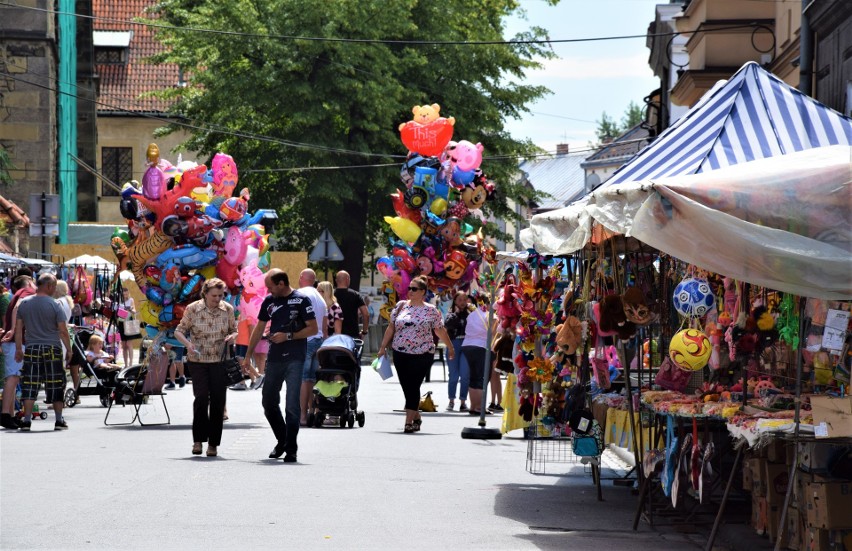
411 370
208 411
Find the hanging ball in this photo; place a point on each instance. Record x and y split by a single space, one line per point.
693 298
690 349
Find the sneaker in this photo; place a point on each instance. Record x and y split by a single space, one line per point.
450 406
60 425
181 381
463 407
239 386
169 386
257 383
290 458
495 407
25 426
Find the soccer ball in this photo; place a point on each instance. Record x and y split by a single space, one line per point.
693 298
690 349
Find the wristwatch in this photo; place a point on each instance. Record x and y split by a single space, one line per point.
289 336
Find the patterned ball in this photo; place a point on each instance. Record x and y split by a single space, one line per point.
693 298
690 349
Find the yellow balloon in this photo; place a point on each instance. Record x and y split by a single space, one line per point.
200 194
150 313
690 349
439 206
208 272
404 228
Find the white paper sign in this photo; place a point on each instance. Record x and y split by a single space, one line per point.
836 322
821 430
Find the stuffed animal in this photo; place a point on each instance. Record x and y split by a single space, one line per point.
611 318
569 335
507 305
636 309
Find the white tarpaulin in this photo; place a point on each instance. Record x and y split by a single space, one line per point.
783 223
92 261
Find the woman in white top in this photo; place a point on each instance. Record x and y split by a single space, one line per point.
474 347
127 340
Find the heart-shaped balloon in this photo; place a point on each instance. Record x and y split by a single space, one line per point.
427 139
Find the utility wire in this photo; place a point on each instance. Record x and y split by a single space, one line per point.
367 40
208 129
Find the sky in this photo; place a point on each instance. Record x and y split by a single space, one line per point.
588 78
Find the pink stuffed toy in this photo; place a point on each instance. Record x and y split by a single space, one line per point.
507 305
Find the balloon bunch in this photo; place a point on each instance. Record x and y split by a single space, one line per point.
443 186
184 226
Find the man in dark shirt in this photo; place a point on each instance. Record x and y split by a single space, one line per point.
292 321
352 304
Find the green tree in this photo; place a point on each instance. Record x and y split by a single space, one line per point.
5 166
607 129
633 115
346 99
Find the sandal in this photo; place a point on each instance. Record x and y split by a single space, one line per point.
416 424
409 428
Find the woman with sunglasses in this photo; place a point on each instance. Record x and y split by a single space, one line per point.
412 324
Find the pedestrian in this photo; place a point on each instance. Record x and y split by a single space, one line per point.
474 347
309 372
42 324
458 370
67 304
22 287
335 312
352 305
254 371
410 334
127 303
207 326
177 368
292 320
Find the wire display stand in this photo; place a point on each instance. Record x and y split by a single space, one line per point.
544 449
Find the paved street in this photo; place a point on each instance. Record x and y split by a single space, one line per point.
97 487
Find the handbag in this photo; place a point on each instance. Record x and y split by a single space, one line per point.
590 445
671 377
132 327
233 368
426 404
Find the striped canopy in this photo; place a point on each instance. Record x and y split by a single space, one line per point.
754 115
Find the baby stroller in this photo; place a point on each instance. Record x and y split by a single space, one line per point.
93 381
336 390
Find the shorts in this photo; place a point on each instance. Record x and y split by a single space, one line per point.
178 353
11 368
476 362
309 371
43 364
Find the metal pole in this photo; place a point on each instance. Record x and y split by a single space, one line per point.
721 511
43 224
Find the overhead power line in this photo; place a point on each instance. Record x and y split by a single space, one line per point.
239 34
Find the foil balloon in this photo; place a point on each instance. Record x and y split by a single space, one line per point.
404 228
428 133
225 175
153 183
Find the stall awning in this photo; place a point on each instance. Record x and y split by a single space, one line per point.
754 115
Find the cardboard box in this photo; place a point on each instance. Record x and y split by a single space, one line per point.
835 414
773 525
794 528
776 451
797 500
748 474
758 474
828 505
758 514
776 478
815 539
815 457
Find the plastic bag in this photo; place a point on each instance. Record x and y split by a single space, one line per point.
382 366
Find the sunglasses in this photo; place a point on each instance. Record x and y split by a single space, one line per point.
412 289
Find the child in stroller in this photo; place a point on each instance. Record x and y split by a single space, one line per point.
338 376
98 357
95 379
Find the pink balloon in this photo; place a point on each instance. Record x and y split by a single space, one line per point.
225 176
153 183
235 246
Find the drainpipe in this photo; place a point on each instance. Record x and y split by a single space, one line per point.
67 117
806 52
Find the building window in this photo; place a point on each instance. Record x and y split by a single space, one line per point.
116 165
111 56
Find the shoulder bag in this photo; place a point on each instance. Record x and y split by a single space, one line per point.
233 368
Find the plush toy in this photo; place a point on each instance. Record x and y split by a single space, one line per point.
611 319
507 305
569 335
636 308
